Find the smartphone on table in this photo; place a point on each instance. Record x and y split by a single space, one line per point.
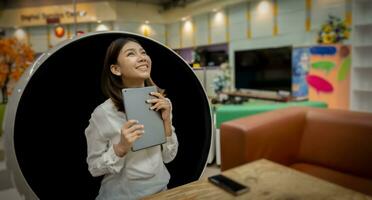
228 184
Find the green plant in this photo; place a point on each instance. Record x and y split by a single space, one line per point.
222 81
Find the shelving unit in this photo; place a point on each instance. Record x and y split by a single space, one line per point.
207 71
206 75
361 73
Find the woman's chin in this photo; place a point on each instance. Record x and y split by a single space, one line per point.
144 76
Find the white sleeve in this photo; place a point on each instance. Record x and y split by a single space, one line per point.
101 157
170 148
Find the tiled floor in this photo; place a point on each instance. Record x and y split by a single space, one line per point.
6 190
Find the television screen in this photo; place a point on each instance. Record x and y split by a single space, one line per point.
264 69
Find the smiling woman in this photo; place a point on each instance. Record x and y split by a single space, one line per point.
63 88
111 136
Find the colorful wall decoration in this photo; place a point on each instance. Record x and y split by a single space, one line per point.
322 73
300 69
329 75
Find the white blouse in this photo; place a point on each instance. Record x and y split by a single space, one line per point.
133 176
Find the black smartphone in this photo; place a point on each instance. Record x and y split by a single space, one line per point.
228 184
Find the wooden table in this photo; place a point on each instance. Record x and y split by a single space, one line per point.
267 180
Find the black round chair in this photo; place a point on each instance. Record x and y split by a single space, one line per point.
50 108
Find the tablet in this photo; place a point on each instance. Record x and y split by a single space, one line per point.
136 108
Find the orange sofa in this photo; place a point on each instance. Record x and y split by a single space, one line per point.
334 145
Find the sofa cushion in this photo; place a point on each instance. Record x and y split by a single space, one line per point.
251 138
353 182
339 140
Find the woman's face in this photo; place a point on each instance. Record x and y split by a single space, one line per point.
133 63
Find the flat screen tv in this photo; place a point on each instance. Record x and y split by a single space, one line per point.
268 69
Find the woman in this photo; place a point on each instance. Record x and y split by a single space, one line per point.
127 174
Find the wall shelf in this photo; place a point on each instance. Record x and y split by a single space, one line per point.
364 24
363 67
364 46
361 75
362 90
363 100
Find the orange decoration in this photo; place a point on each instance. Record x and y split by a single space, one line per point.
15 57
59 31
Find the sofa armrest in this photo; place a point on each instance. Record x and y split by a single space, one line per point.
273 135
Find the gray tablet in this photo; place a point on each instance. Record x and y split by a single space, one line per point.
136 108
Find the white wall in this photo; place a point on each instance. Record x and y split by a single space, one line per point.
261 22
238 24
291 16
238 18
201 29
174 36
133 27
227 24
38 38
322 8
158 33
218 26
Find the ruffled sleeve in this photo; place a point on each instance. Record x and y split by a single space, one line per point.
170 148
101 157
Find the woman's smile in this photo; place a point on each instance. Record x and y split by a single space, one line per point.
143 67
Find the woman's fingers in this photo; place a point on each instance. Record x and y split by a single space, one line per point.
130 123
153 100
157 94
157 102
133 136
130 132
134 128
160 105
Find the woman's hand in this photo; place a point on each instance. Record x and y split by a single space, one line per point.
162 104
129 133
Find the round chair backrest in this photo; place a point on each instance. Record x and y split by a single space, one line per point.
51 106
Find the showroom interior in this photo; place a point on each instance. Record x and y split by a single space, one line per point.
279 90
